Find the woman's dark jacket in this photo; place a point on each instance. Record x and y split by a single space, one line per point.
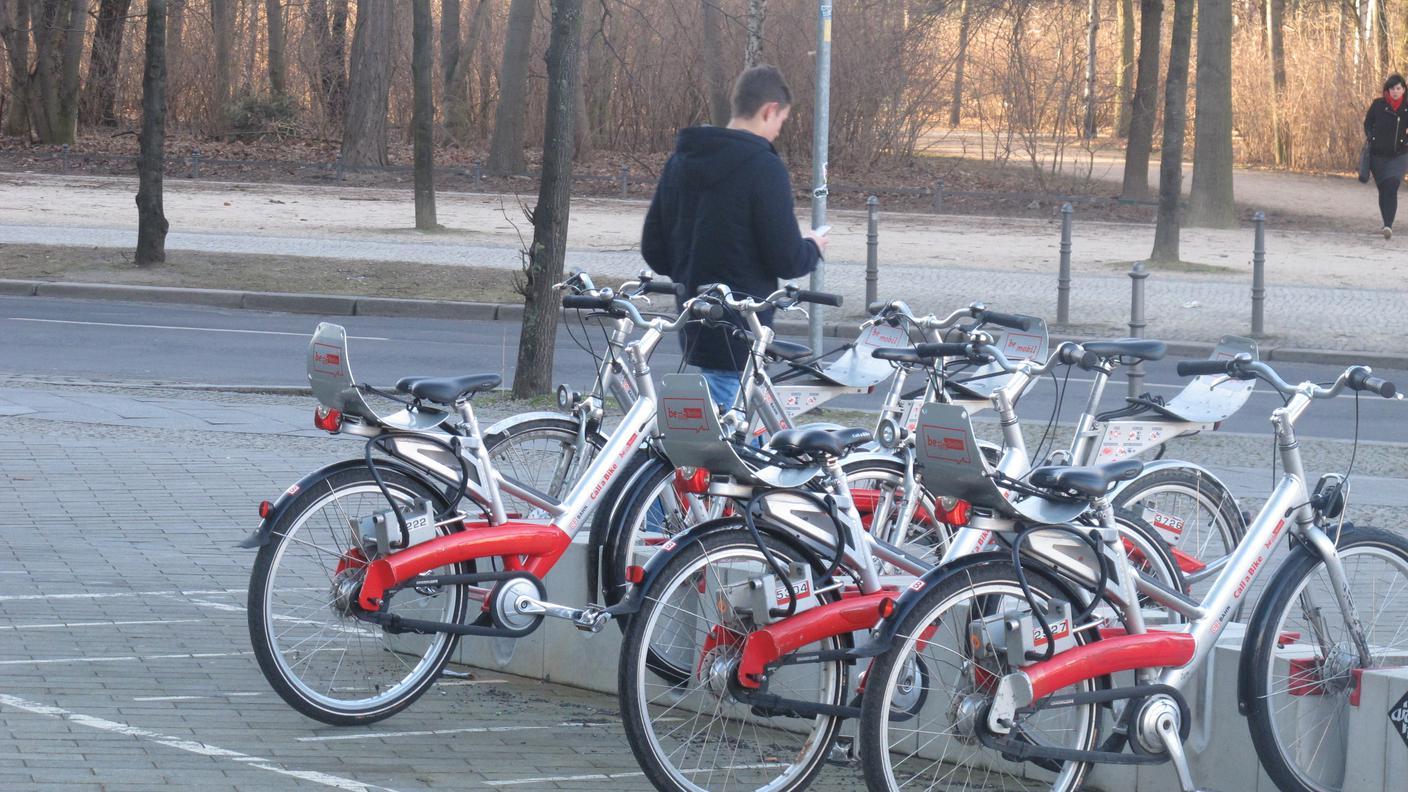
1387 129
723 213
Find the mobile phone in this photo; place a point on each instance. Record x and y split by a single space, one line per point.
823 231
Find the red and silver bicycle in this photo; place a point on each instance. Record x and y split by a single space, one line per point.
1019 657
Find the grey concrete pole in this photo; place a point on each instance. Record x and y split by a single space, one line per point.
821 144
1259 277
1138 275
872 251
1063 279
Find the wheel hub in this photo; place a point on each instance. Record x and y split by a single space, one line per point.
346 585
965 714
716 668
1335 674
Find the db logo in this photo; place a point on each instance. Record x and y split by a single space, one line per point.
917 585
1398 717
688 413
327 358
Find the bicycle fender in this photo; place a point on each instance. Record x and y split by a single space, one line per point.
504 424
260 536
1166 464
909 598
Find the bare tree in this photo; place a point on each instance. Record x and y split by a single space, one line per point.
151 217
1146 94
510 118
1275 25
58 49
545 258
222 19
1124 78
456 60
99 92
955 109
1092 38
757 23
1166 233
1212 202
368 85
14 31
713 56
278 66
600 70
328 28
423 114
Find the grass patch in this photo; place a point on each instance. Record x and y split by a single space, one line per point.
248 272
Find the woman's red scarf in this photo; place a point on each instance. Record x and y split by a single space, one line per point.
1393 105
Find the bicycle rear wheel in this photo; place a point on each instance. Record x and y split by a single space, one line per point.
545 453
1303 659
1195 514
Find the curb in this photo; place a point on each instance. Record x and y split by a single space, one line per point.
339 305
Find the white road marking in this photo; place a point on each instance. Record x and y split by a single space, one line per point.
56 625
459 682
367 632
105 594
195 698
611 776
179 327
436 732
189 746
127 658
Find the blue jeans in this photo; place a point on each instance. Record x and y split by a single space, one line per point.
723 385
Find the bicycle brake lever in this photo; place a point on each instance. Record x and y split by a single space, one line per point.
1216 383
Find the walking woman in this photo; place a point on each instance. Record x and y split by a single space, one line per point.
1386 127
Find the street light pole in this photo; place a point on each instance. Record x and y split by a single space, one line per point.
821 142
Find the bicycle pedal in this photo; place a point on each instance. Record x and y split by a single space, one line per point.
445 672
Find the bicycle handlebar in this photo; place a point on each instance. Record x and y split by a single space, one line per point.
595 302
1013 321
1243 367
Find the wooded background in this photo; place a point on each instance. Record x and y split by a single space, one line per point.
1022 71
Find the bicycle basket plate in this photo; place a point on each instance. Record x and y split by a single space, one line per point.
952 464
691 435
855 368
1016 345
330 375
1205 400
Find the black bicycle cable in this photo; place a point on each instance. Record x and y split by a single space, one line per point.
1090 541
453 496
828 504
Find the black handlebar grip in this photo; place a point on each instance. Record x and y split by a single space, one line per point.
941 350
1014 321
1360 380
1197 368
1086 359
663 287
706 310
818 298
586 301
876 307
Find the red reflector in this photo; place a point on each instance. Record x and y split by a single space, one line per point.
887 608
694 481
957 514
327 419
635 574
264 508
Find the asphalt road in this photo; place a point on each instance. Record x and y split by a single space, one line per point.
117 341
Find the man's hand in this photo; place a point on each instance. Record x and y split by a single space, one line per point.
820 240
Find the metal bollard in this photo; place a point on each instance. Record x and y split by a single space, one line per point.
64 157
939 195
1259 277
337 167
193 165
478 174
1063 279
1137 275
872 251
625 181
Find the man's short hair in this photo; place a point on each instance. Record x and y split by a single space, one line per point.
758 86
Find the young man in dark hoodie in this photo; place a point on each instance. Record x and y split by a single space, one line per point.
723 213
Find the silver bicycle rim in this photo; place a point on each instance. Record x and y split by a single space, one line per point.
548 459
1203 536
333 660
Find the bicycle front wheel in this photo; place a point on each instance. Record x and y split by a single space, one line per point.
1305 657
317 655
1193 512
684 719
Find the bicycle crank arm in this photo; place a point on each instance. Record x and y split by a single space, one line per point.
589 619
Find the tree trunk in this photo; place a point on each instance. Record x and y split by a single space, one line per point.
713 55
72 61
1143 110
329 34
151 218
455 60
99 92
423 112
1092 63
53 92
1275 27
541 307
222 19
599 74
1385 52
278 68
368 85
1124 78
14 31
175 33
757 22
511 115
1175 124
955 108
1212 203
